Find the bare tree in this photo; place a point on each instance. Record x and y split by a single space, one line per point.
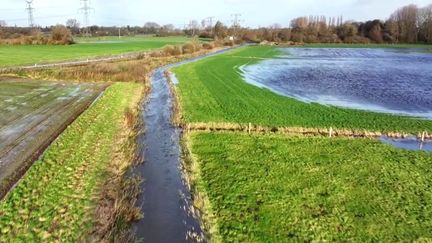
407 22
3 23
151 28
425 24
193 28
73 25
220 30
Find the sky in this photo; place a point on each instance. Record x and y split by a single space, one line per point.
254 13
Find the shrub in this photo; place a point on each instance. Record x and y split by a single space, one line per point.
208 46
61 35
188 48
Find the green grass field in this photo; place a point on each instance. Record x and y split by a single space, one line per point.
55 200
93 47
212 90
270 188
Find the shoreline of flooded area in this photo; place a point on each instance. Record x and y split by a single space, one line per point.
379 80
410 143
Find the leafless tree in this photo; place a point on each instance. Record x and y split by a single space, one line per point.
425 24
407 23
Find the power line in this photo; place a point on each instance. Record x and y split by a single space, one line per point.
30 10
236 22
86 10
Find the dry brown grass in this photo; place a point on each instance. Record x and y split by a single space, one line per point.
330 132
136 70
118 195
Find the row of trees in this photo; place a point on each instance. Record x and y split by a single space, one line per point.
54 35
408 24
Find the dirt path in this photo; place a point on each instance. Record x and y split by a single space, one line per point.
166 200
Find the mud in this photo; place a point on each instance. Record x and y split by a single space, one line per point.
26 131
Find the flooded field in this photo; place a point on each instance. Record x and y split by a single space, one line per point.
32 114
397 81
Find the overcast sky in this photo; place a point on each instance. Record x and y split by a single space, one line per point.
178 12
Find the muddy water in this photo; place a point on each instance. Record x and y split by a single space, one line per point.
166 200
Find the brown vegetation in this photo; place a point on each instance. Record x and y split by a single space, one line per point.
116 207
409 24
57 35
332 132
135 70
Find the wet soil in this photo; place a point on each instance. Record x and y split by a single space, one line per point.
39 116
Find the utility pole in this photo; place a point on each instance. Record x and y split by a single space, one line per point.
210 24
236 23
30 10
86 10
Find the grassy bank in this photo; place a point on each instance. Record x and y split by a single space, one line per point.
212 90
37 54
57 198
280 189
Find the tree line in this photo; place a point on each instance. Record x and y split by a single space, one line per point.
409 24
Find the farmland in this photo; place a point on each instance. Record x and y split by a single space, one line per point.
57 197
272 188
33 113
212 90
38 54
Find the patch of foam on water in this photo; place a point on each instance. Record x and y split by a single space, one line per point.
174 79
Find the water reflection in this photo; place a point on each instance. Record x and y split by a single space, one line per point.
411 143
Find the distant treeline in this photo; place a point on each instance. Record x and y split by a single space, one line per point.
409 24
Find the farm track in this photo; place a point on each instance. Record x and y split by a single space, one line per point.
17 155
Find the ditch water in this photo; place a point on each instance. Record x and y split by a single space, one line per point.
166 200
397 81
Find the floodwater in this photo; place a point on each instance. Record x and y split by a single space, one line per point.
166 200
397 81
411 143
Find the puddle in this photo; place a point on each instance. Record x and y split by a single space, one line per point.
411 143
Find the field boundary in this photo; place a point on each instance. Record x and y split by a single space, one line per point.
328 132
79 62
177 120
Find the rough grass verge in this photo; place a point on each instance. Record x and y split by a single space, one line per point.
57 198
